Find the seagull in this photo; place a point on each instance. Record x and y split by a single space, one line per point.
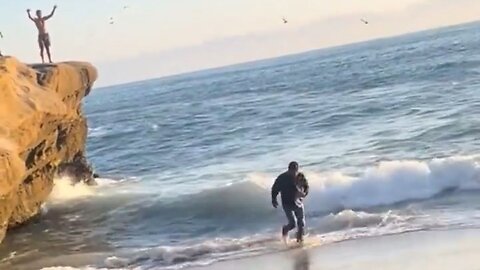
284 20
1 35
364 21
125 7
111 20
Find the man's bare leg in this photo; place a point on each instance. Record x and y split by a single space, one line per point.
41 55
40 44
48 54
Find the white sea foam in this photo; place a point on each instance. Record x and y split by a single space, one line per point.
97 132
64 190
349 219
388 183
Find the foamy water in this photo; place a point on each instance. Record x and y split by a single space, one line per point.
329 210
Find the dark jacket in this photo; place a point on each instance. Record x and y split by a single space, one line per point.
285 185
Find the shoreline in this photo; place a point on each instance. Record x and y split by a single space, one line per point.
442 249
438 249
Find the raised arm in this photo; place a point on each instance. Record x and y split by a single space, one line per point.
51 14
29 16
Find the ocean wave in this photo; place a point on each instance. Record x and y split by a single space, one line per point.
248 202
390 182
393 182
349 219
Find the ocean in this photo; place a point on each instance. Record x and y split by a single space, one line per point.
386 132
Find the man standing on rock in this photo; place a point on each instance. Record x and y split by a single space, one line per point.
43 37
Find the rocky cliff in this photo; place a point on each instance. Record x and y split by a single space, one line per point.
42 133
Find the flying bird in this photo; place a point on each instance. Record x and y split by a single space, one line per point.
364 21
1 35
284 20
111 20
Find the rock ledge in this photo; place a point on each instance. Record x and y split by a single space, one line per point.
42 133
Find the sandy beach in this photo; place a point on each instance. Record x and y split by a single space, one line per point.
419 250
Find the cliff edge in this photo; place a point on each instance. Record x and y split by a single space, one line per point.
42 133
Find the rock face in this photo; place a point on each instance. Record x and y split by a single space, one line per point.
42 133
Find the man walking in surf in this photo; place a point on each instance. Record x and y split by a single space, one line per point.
43 37
292 191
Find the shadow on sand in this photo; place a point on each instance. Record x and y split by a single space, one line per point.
302 261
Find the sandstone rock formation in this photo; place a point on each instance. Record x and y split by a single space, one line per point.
42 133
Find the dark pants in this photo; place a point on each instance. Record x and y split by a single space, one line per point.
296 218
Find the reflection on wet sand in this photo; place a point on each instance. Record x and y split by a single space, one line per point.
302 261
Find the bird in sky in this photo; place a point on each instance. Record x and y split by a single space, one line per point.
284 20
364 21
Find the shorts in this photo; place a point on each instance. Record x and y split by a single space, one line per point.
44 40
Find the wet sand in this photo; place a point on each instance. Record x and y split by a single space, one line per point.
420 250
439 250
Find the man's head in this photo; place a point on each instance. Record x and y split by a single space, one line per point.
293 167
39 13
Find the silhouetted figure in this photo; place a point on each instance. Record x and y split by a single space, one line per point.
43 36
292 190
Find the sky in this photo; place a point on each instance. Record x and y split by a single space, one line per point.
154 38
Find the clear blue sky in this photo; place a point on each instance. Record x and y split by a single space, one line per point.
153 38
